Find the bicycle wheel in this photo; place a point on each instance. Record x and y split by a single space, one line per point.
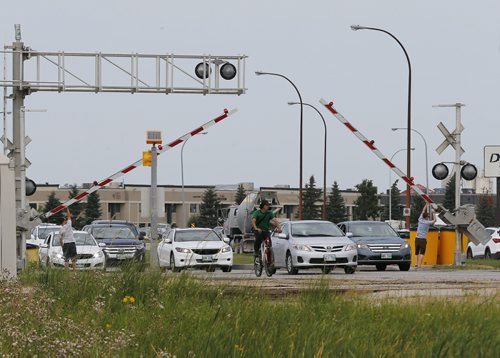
269 262
257 266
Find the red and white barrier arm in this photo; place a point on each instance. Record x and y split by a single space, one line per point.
162 149
371 144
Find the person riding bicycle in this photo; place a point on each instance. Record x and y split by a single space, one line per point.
260 222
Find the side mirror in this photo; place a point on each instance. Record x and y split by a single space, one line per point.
226 240
44 246
142 235
168 241
102 244
349 234
283 236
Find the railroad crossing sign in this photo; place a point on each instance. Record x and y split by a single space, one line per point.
450 138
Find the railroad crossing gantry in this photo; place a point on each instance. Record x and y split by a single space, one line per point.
166 73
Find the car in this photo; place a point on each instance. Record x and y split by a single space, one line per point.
40 233
131 225
378 244
89 254
194 247
122 242
489 251
307 244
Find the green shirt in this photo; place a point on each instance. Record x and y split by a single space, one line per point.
262 219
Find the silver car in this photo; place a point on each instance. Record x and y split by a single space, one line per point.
313 244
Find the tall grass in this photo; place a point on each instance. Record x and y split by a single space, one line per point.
134 313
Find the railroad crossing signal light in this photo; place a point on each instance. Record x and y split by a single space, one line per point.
440 171
153 137
227 70
468 172
147 158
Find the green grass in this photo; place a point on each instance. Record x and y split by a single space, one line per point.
53 312
475 264
243 259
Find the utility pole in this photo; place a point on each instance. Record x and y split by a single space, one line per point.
455 139
154 207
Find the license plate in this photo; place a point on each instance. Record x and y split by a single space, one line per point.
206 258
330 258
121 257
386 255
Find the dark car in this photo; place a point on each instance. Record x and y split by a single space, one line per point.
120 222
378 244
122 242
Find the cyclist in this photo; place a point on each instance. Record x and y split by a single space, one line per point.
260 222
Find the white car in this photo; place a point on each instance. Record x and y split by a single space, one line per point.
40 233
194 247
489 251
89 253
313 244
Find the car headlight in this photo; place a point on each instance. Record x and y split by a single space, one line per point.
226 248
183 250
363 246
350 247
405 246
98 254
140 246
57 255
302 247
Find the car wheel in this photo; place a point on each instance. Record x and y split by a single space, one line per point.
404 267
349 270
289 265
172 264
326 270
470 256
487 254
226 268
210 269
381 267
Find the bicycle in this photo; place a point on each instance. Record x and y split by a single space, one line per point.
265 259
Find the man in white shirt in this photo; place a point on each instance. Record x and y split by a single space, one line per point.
68 242
421 238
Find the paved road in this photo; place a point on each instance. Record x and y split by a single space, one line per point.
390 283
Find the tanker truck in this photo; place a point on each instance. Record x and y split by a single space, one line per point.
238 224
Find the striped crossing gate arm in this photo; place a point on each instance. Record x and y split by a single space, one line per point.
371 145
129 168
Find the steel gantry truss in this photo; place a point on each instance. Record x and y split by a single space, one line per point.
34 71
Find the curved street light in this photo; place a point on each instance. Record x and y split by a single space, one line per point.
408 145
259 73
390 183
182 167
324 154
426 159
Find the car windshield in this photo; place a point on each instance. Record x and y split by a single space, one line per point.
375 229
315 229
43 232
81 238
113 232
196 235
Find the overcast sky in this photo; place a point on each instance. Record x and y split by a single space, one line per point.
454 47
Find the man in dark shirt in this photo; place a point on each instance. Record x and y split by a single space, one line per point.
260 222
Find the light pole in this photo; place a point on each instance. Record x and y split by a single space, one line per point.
324 154
426 159
259 73
390 184
408 133
182 169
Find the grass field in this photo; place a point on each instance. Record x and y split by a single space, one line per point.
131 313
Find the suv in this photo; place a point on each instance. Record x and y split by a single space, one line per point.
378 244
121 222
122 242
41 232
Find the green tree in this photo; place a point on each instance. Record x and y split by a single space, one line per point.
366 205
336 210
193 221
53 202
240 194
210 204
310 196
93 208
449 194
77 209
396 211
416 207
485 212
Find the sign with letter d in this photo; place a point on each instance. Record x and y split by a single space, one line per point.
492 161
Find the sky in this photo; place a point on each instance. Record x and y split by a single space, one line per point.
454 48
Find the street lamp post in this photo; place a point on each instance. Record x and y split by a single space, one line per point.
259 73
408 144
324 154
182 169
426 159
390 184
